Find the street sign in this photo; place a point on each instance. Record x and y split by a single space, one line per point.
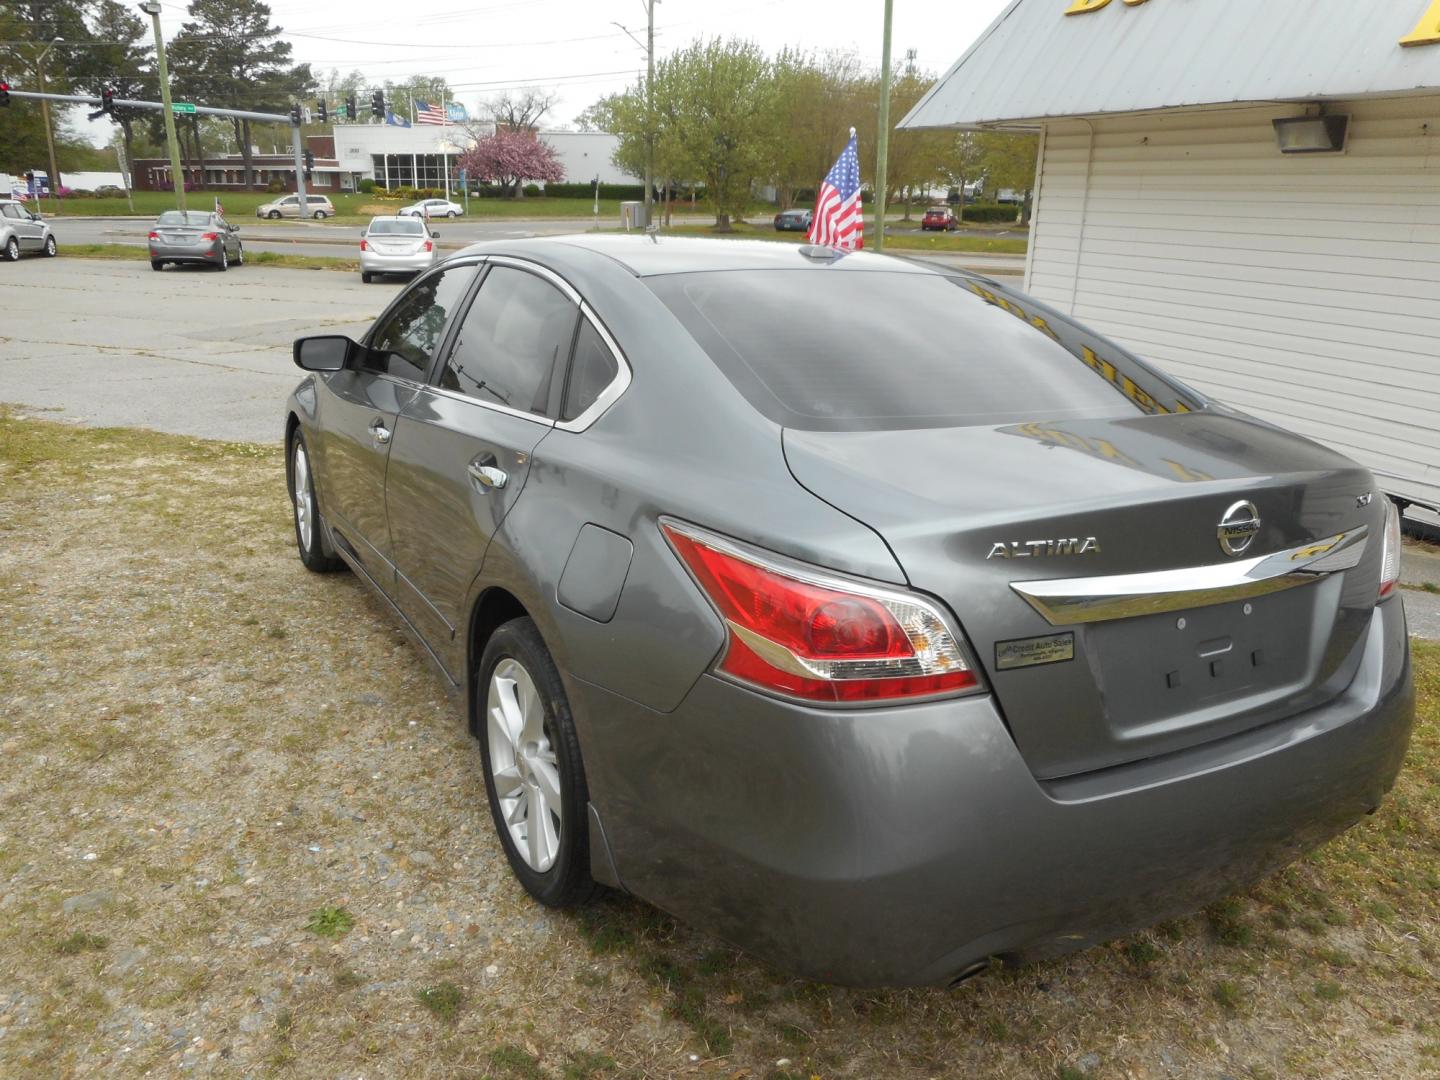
182 107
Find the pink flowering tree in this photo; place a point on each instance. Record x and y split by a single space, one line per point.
512 158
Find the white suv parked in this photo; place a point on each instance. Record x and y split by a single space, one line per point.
22 231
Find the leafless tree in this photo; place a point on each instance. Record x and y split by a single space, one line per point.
520 110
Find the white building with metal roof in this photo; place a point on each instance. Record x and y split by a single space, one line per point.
1291 270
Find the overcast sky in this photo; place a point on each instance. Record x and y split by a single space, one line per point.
572 47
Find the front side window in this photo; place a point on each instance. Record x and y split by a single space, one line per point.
517 330
405 342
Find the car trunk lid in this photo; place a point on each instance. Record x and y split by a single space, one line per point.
1084 562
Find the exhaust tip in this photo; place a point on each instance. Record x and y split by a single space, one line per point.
968 973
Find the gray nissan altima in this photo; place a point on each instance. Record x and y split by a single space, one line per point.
879 647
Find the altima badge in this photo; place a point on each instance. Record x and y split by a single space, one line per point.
1025 549
1238 527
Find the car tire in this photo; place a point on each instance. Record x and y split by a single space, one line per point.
156 264
239 254
528 744
365 277
224 263
273 215
309 527
450 213
320 215
12 250
50 249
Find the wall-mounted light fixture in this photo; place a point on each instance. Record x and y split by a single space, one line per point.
1312 134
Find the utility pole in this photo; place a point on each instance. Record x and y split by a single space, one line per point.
649 108
882 143
49 132
152 8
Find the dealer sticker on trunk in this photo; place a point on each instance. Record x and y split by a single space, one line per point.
1027 652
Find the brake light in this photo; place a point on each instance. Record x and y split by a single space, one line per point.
154 235
810 634
1390 559
364 246
210 236
429 246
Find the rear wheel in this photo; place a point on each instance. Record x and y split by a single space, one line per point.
50 248
12 250
319 215
308 526
533 774
365 276
450 214
156 264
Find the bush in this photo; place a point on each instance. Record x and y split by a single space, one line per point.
532 190
275 187
367 186
587 191
983 212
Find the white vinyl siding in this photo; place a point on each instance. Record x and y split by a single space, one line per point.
1302 288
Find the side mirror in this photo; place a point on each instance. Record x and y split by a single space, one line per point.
35 217
434 236
327 352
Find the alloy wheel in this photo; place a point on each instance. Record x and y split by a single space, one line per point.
50 245
523 765
304 501
12 250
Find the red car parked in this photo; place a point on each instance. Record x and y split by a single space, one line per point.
938 217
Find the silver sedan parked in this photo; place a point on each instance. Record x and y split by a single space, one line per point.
398 245
194 237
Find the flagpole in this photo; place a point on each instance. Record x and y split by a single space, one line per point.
445 144
882 142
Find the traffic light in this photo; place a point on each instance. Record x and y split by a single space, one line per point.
295 115
107 100
309 160
321 111
351 112
4 93
377 103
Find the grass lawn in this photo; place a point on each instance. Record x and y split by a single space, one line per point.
259 258
895 239
245 833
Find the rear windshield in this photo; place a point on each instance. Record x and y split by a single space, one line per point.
191 217
837 350
397 227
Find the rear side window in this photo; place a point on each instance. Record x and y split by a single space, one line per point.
516 330
849 350
592 370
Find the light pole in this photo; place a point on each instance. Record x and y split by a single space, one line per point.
882 149
49 134
152 8
649 48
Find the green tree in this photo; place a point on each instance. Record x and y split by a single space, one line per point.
1009 161
400 97
815 102
27 27
229 54
963 165
123 58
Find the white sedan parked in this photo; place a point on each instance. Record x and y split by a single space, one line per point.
432 208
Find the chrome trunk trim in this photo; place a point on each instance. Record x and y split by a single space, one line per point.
1098 599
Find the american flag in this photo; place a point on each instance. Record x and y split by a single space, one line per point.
838 221
430 114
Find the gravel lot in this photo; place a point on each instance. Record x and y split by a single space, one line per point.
242 832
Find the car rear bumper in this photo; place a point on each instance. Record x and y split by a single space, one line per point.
904 846
204 252
374 263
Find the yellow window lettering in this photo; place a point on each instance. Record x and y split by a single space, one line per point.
1104 367
1082 7
1184 472
1427 31
1043 326
1104 448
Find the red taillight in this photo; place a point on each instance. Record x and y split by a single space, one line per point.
363 246
210 236
154 235
1390 552
813 635
429 246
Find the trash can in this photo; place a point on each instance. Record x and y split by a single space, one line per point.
632 215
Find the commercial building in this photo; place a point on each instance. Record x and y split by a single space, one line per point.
1290 269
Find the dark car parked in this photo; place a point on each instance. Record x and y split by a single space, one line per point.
878 648
794 220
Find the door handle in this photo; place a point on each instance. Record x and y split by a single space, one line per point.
487 476
379 432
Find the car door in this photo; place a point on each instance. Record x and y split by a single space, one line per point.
463 443
30 233
290 207
358 414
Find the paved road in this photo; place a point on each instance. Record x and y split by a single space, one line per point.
1422 609
320 238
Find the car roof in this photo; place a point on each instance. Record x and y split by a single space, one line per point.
645 255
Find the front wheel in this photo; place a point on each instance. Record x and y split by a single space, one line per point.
274 215
239 254
50 248
533 773
224 263
308 526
